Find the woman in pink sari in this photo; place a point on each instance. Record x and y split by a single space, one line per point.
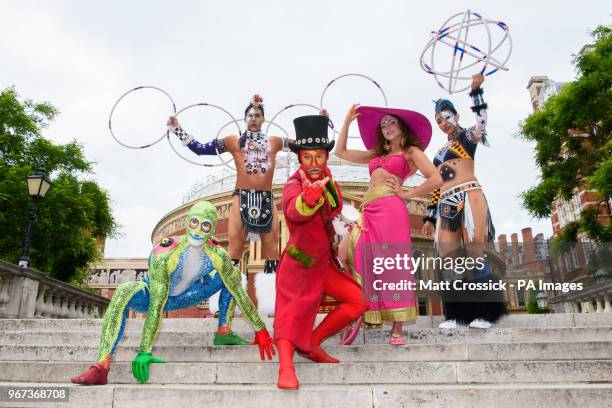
378 247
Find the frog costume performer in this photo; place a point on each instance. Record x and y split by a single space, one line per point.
183 272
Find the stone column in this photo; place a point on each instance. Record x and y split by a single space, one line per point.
608 307
562 307
599 305
22 297
5 297
27 305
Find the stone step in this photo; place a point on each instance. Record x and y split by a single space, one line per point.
414 335
370 353
554 395
209 324
458 372
495 334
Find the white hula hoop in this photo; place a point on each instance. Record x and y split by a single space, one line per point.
234 120
349 75
110 117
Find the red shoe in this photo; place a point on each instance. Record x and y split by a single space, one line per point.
287 379
397 340
318 355
96 375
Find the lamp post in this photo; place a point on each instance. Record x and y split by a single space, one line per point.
38 185
601 275
542 300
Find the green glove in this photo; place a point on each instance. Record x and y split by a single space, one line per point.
140 366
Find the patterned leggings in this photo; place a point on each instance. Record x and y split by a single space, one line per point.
135 296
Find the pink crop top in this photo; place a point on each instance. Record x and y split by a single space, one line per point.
395 164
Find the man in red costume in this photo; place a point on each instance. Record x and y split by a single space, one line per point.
308 268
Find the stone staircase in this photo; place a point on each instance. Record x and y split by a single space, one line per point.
558 360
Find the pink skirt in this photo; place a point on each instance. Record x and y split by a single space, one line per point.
379 257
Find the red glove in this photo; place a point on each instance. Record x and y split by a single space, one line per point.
263 339
312 191
312 194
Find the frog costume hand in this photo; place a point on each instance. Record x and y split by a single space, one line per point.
140 366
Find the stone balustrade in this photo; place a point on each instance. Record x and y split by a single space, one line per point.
593 299
27 293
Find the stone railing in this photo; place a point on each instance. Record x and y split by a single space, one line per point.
29 294
593 299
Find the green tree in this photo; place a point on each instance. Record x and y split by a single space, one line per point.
74 213
568 161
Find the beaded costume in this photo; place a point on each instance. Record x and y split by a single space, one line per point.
450 209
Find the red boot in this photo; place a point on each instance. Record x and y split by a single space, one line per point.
287 379
96 375
318 355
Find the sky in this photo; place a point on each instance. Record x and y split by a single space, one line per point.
82 56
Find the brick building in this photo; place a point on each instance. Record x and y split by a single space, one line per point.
527 258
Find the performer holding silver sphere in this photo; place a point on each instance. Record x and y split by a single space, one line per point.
460 213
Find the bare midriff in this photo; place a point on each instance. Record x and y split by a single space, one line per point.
379 176
259 181
463 172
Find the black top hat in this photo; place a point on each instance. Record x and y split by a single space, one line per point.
311 134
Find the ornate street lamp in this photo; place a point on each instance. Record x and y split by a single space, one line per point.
601 276
542 300
38 185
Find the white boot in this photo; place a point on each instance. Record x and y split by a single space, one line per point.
480 324
448 324
265 287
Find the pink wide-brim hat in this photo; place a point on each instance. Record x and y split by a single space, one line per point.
369 122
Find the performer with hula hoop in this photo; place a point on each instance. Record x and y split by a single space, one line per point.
460 214
253 213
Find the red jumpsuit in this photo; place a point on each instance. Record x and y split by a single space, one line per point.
307 270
